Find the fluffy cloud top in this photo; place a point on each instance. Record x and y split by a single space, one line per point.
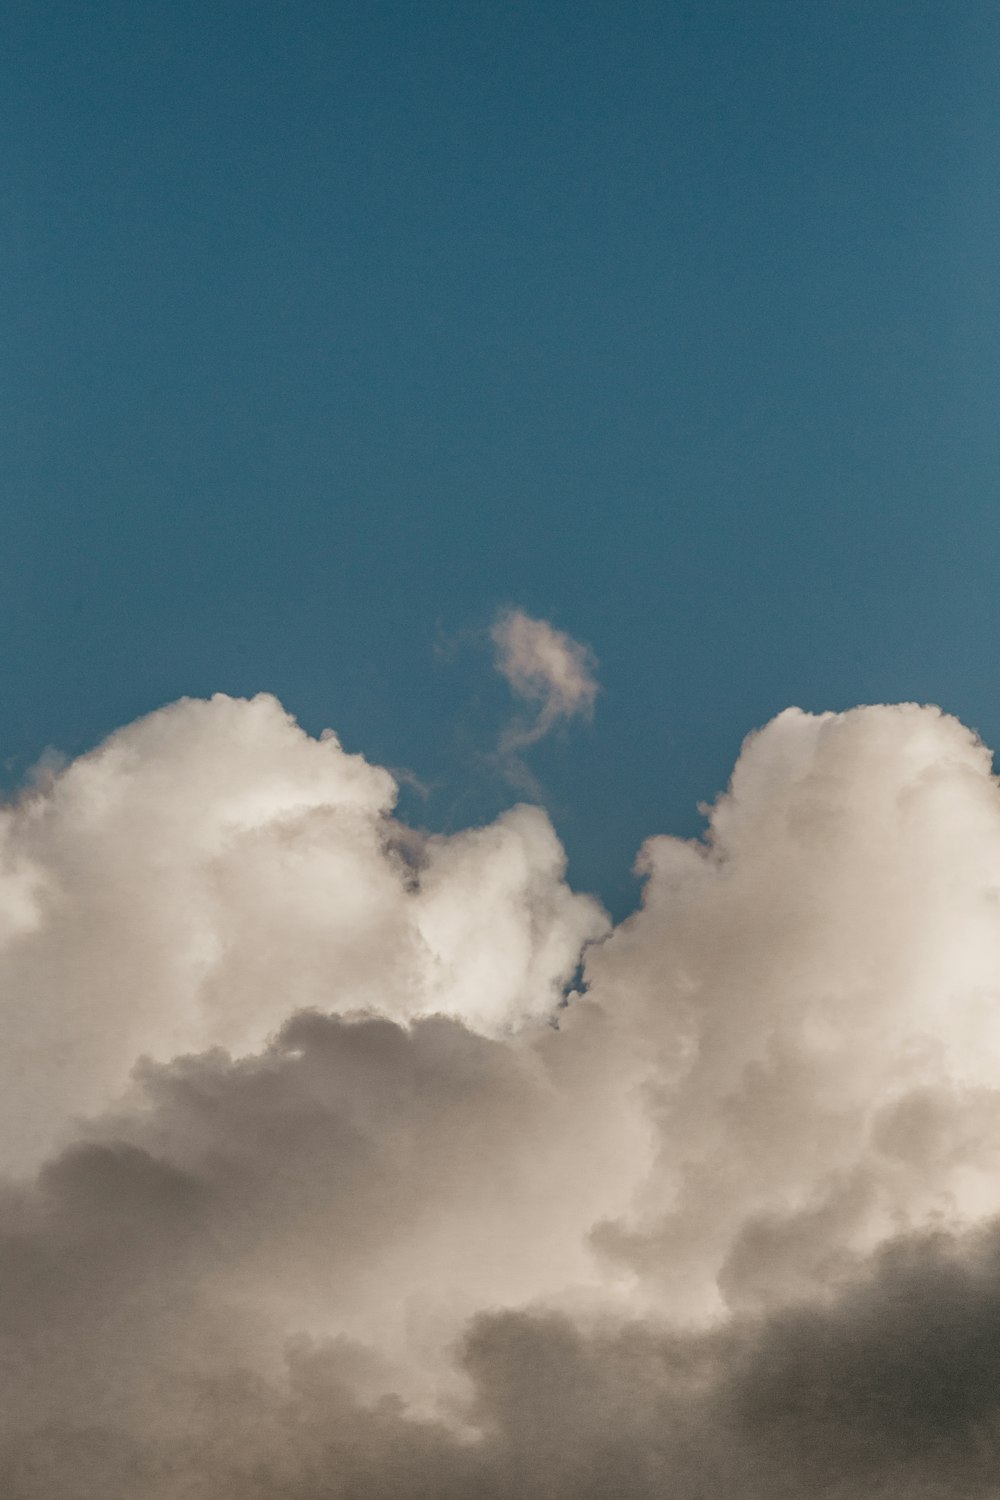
320 1184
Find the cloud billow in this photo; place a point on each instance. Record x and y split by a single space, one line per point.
304 1196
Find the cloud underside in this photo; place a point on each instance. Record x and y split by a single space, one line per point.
320 1181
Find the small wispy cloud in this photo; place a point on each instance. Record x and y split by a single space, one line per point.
546 669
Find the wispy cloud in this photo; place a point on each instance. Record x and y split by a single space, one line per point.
547 670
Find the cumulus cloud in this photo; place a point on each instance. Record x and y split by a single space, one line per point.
211 869
546 669
318 1181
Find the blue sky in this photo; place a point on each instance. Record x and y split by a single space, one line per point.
330 329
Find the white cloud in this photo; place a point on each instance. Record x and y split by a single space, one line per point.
649 1250
829 958
211 869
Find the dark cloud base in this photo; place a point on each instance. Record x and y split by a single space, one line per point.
132 1367
892 1393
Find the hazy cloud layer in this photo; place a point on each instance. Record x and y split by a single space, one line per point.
316 1185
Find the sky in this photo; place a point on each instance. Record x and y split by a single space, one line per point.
499 847
331 330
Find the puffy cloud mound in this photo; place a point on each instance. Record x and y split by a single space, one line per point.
320 1183
211 870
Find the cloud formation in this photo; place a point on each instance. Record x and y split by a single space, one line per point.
546 669
319 1183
